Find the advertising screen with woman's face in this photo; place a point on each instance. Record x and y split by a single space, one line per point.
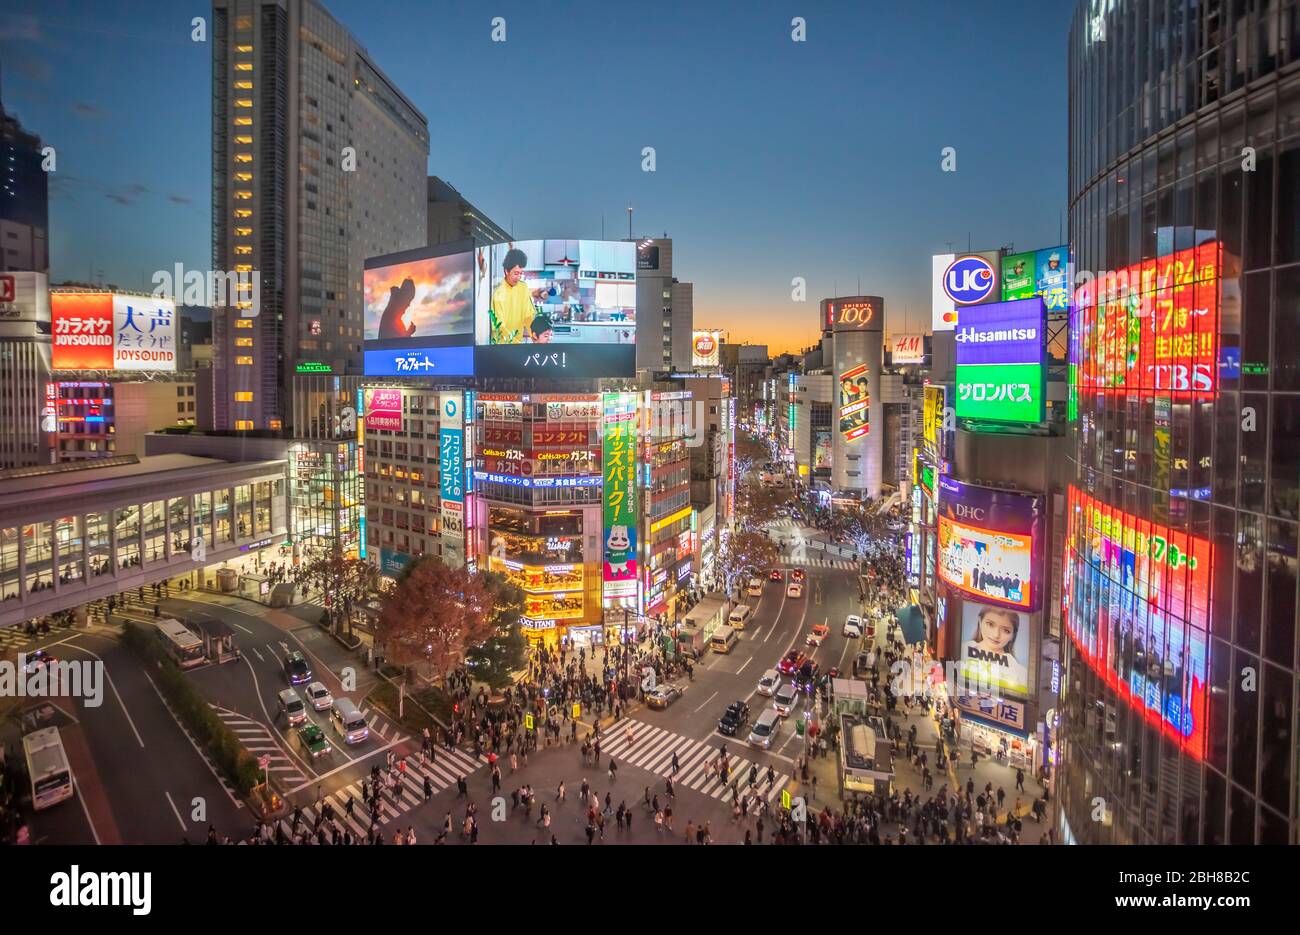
995 648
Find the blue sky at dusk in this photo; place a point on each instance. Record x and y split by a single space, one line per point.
775 159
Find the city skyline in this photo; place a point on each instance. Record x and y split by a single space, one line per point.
772 147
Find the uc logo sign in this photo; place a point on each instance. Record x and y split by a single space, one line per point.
450 407
969 279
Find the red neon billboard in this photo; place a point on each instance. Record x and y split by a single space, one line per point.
1136 605
1153 326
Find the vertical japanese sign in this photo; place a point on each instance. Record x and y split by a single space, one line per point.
361 470
451 470
618 459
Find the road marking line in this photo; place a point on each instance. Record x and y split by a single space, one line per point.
706 702
82 799
747 662
109 679
175 811
260 657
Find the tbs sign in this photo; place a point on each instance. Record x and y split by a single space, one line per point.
969 280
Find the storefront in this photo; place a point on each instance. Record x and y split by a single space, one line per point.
1019 751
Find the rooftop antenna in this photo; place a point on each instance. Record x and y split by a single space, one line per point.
602 227
629 222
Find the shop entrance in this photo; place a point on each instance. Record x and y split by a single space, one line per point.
588 637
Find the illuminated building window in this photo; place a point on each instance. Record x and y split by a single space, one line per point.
243 232
245 396
245 304
243 322
243 287
243 48
243 212
243 121
243 66
243 195
275 425
243 425
243 342
243 102
244 361
243 157
243 268
243 176
243 250
244 85
245 140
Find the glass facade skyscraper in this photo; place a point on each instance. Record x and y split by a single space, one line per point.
1178 696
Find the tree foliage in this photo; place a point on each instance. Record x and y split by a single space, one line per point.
505 649
432 615
742 552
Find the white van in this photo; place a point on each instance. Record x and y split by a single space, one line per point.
723 639
754 588
292 707
348 721
739 616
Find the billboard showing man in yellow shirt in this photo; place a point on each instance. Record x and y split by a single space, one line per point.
512 309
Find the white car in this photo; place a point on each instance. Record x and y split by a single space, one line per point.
769 682
794 589
319 696
853 626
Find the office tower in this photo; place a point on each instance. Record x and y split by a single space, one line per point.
453 218
1179 598
24 199
318 162
665 309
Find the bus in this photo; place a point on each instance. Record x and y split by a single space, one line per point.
181 644
47 766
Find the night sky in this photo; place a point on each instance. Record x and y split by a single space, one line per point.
775 159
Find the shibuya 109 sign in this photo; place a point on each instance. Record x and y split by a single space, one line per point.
1000 358
854 313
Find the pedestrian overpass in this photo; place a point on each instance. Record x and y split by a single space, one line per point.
81 532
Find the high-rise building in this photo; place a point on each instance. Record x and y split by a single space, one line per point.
24 199
319 161
452 218
26 393
1178 692
665 310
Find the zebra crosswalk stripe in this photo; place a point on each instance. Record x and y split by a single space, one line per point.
653 747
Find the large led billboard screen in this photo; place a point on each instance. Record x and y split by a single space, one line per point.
1152 327
1000 361
1042 273
563 308
108 331
855 402
989 542
995 647
1136 605
555 307
418 315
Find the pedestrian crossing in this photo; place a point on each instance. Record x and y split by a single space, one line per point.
258 740
443 771
652 749
786 522
815 561
15 638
